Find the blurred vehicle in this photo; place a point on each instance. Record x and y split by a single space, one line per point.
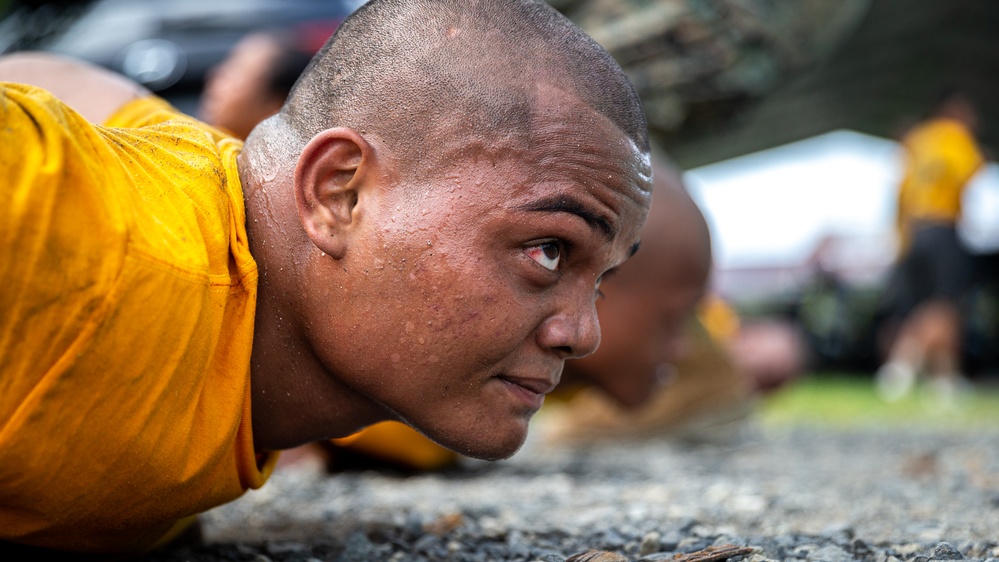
161 43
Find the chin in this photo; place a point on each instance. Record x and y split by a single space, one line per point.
488 446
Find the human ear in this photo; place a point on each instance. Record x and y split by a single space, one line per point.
328 177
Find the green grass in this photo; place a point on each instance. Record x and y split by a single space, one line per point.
850 401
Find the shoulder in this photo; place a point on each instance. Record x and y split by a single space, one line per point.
940 134
946 129
44 141
92 91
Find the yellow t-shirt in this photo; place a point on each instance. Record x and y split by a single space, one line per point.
395 444
941 156
719 318
126 322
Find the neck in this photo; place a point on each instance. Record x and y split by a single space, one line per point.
295 399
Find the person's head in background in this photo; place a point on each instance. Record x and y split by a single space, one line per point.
648 300
954 103
253 82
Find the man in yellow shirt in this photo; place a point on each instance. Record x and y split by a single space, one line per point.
934 269
407 239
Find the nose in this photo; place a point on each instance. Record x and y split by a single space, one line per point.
573 331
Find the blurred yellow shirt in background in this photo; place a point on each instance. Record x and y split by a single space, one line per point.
126 322
719 318
941 156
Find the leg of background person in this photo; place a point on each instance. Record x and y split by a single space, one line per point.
910 285
897 376
952 276
940 333
941 336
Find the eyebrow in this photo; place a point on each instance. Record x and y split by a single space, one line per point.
569 204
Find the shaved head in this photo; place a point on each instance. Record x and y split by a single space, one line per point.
447 69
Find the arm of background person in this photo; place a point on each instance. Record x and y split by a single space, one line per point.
94 92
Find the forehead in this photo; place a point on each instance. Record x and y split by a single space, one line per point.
558 154
562 123
574 146
566 145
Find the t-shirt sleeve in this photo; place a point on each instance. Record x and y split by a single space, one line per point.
150 111
143 112
62 237
127 301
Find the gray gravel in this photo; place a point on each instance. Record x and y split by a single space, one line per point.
810 494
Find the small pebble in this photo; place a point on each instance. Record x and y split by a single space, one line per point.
650 543
945 551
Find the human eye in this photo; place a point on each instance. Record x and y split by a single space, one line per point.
547 254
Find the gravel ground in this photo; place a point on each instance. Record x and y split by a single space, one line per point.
812 494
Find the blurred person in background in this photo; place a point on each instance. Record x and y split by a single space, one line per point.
252 83
933 271
675 359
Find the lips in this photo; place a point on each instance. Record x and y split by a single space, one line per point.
530 390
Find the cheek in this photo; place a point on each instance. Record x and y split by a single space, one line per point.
448 317
457 306
473 324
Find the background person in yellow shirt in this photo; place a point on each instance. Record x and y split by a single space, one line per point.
406 239
934 270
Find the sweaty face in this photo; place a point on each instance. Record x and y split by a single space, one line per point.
479 282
